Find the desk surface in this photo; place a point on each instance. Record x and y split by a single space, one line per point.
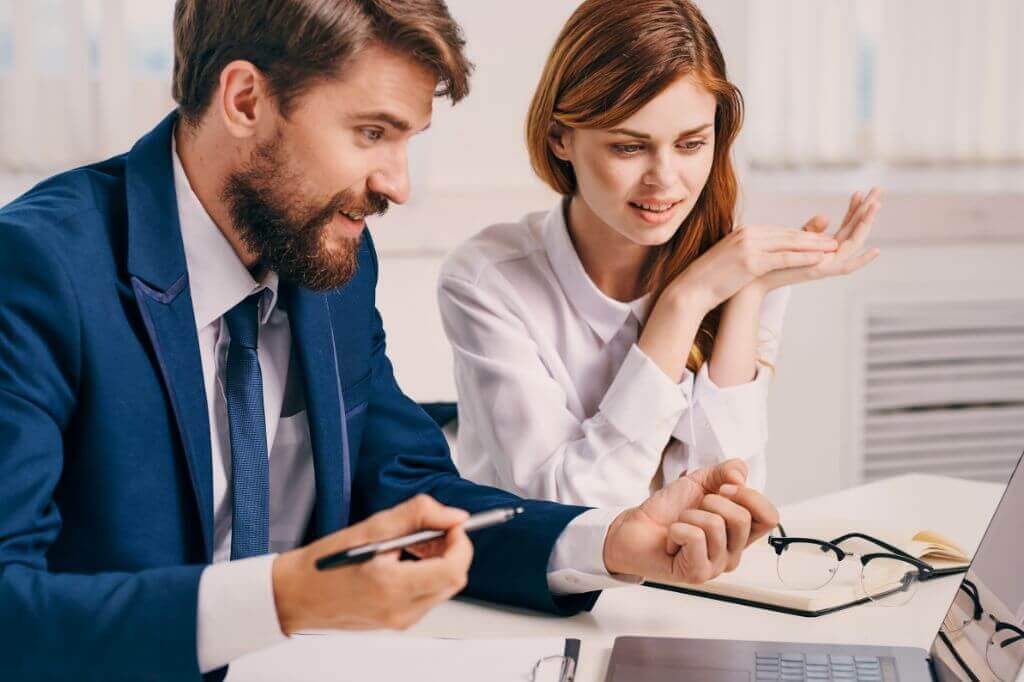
957 508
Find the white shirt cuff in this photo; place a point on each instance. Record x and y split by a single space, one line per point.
236 612
577 560
643 403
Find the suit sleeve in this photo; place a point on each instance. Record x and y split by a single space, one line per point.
404 453
107 626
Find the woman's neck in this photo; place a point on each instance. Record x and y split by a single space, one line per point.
612 262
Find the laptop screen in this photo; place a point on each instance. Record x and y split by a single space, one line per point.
982 635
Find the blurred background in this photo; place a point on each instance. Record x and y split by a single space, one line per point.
913 365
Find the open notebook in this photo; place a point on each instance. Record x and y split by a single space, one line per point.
756 582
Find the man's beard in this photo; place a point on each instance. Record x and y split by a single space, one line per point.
287 233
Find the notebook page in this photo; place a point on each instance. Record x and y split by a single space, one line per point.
354 657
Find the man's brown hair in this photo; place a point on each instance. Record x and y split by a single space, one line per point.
298 43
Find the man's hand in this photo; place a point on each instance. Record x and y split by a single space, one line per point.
691 530
383 592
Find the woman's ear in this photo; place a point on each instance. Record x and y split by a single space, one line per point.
560 140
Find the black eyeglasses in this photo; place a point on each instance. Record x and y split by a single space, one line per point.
966 608
888 578
1004 651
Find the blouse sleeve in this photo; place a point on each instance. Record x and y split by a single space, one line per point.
733 422
519 414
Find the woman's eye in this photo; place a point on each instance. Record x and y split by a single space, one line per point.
372 134
693 145
627 148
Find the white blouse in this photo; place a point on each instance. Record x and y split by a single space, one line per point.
556 400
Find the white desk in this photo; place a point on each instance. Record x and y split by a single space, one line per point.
959 509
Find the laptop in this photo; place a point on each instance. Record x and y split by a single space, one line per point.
979 638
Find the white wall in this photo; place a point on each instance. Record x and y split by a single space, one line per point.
471 169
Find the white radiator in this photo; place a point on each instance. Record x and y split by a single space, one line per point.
943 388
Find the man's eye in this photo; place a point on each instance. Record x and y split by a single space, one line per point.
373 134
627 148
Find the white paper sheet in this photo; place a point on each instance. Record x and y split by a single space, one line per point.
394 658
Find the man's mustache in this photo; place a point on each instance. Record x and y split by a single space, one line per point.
373 204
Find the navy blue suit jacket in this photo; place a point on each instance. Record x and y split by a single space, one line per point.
106 510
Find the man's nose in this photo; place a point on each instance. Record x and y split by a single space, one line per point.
392 179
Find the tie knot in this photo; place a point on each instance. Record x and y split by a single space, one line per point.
244 321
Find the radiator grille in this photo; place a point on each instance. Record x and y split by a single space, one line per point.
944 389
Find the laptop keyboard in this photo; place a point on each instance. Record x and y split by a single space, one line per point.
817 667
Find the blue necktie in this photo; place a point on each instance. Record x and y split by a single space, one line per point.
250 469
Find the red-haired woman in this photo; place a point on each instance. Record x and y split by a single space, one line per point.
628 335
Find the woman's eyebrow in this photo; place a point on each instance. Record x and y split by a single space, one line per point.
645 136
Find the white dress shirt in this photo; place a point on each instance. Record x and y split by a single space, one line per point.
556 400
236 611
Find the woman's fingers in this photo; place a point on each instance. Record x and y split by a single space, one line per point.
797 240
783 260
817 224
857 218
855 264
860 232
855 201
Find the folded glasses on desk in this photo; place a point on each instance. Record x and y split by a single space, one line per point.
888 578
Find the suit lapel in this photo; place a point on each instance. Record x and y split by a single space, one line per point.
158 271
316 348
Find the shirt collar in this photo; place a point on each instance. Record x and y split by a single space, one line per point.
604 314
218 280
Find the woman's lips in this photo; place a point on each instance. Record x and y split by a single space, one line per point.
654 217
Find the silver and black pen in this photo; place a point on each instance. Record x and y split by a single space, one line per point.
357 555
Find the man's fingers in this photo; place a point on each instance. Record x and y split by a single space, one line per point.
441 575
691 561
714 476
735 471
763 514
429 549
418 513
737 526
415 609
715 535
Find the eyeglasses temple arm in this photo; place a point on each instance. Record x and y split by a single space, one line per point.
880 543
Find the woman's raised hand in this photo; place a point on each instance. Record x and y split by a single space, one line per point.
851 237
746 255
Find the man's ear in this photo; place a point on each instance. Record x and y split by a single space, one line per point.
560 140
242 98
